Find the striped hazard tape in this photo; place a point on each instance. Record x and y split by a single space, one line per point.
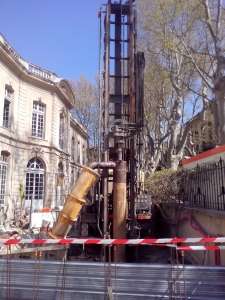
113 241
187 248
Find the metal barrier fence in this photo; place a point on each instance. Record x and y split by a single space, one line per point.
204 186
24 279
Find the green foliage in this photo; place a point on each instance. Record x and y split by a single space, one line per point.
165 185
21 191
22 194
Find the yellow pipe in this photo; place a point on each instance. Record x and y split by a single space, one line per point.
61 228
73 204
85 181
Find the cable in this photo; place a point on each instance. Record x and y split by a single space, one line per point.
188 217
178 219
100 115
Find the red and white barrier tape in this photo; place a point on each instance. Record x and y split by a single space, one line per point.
113 241
187 248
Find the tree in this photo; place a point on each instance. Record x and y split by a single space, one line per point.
156 112
207 56
86 110
173 89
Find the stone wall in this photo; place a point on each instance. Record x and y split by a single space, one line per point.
18 142
210 221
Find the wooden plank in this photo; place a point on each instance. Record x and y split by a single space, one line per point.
27 250
110 293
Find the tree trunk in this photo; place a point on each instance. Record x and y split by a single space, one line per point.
219 109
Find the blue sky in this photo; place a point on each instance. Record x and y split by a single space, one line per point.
61 36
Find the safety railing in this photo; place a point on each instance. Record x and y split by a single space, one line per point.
204 186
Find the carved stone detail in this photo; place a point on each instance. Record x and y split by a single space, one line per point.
63 112
38 151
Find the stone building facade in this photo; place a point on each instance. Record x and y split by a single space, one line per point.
42 146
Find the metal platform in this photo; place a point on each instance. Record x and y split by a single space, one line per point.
89 281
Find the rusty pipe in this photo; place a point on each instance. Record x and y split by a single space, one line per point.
119 207
102 165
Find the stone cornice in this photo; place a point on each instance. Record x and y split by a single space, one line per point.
32 72
30 143
78 127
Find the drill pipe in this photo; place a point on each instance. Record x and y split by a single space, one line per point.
119 207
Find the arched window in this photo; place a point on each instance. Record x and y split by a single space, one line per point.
35 184
35 164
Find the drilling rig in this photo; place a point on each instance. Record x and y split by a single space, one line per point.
119 207
122 94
